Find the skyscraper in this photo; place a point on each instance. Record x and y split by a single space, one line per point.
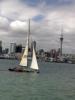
12 48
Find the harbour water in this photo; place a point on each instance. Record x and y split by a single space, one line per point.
56 81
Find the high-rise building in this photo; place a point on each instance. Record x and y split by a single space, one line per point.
12 48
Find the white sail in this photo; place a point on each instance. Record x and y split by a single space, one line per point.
34 64
25 55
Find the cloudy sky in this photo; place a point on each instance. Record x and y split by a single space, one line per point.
48 18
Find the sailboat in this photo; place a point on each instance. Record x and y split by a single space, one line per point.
23 66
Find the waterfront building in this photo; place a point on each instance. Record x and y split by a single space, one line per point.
18 48
41 54
12 48
5 51
53 53
0 47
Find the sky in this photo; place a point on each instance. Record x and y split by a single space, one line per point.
48 18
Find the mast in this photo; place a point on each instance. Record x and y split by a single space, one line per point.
24 60
29 33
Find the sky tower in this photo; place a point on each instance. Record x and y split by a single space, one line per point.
61 41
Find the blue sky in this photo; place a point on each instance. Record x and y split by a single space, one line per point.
48 2
47 17
31 2
38 18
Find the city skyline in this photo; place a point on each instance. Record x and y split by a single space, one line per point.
47 18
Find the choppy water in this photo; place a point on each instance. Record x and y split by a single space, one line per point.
54 82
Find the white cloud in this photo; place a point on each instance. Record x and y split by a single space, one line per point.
18 25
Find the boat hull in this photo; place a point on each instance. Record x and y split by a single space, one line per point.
23 70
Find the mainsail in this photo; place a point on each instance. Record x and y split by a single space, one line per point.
25 56
34 64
